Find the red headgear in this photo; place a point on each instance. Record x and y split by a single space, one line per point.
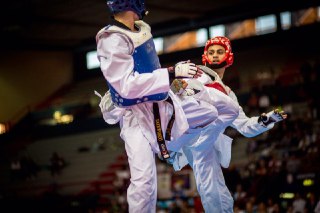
223 41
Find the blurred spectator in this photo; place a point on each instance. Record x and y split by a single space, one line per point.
271 206
293 164
285 140
122 178
253 102
29 167
306 73
261 208
24 168
98 145
15 167
174 208
252 165
264 102
237 209
289 209
232 177
184 206
316 68
198 208
178 190
121 200
276 208
311 202
118 183
317 208
290 184
250 207
251 146
261 168
57 163
239 195
115 207
274 164
298 204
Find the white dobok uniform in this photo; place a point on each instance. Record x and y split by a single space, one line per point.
207 149
117 50
208 113
200 149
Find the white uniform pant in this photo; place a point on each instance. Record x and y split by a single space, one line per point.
142 191
204 160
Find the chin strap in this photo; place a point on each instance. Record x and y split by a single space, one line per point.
217 66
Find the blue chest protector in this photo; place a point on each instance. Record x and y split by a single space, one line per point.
145 61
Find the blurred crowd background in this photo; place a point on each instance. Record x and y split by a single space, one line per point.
58 155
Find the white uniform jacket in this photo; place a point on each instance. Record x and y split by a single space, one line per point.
249 127
115 56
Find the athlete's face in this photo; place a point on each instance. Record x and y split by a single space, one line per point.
216 53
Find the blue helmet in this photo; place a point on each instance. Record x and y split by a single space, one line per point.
136 6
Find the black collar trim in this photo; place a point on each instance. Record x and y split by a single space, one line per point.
121 25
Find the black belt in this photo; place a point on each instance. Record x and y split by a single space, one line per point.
157 123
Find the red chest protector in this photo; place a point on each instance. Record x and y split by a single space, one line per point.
217 86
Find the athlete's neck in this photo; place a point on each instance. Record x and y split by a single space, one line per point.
127 18
220 72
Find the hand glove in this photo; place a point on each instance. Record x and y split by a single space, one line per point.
194 87
185 69
106 104
273 116
178 86
169 160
